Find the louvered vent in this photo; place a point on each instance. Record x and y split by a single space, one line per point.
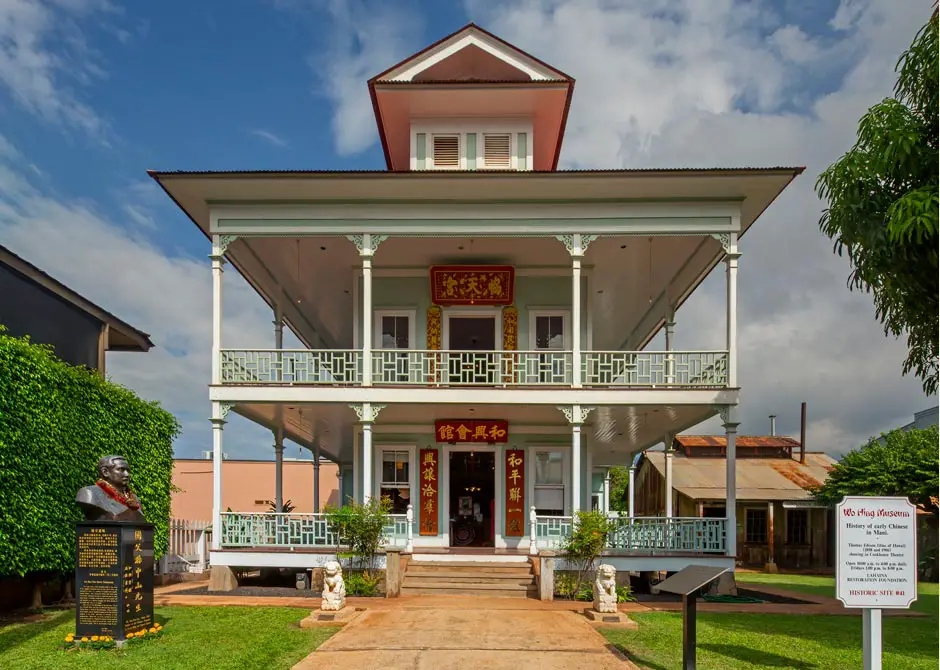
496 152
446 151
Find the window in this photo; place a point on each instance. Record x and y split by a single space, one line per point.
797 526
755 526
548 331
549 494
497 154
396 479
394 329
446 151
713 511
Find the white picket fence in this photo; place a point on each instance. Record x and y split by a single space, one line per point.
189 547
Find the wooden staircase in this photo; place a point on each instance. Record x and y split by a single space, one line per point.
486 579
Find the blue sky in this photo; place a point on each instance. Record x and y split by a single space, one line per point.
94 93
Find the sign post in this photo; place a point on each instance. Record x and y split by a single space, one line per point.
687 583
876 562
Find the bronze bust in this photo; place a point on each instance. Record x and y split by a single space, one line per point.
110 498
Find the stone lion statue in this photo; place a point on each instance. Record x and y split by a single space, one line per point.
605 589
334 588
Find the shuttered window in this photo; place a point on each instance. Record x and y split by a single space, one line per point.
446 151
496 152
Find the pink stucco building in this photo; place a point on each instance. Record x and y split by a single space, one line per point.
249 486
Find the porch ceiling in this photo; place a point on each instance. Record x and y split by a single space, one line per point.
323 281
615 433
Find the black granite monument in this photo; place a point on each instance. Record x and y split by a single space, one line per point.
113 558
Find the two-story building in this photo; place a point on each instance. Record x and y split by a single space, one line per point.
474 319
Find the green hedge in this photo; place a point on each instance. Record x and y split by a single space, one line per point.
56 421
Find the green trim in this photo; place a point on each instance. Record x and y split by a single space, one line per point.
471 151
421 150
522 151
481 201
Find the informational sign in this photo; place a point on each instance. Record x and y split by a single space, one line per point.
515 493
876 560
113 578
427 514
472 284
471 430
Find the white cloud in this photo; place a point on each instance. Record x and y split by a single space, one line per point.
164 294
366 37
269 137
661 83
43 50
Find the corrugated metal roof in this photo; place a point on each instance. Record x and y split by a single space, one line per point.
513 82
741 441
757 478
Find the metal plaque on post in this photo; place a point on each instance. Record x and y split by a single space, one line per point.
687 583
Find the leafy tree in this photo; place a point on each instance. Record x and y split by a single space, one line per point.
904 464
619 483
585 544
361 528
883 206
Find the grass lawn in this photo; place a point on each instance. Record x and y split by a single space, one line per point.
194 637
736 641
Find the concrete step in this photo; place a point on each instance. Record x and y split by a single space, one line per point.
471 565
481 590
428 580
467 572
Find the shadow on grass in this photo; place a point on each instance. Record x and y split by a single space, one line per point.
15 633
756 657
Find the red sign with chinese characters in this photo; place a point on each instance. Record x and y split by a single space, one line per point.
515 493
490 431
427 514
472 284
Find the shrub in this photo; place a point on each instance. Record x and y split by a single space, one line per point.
56 421
361 529
363 583
582 548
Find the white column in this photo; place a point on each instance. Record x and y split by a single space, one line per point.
631 505
577 254
366 253
218 259
279 469
575 468
316 477
670 330
366 461
731 266
607 492
217 424
731 497
668 492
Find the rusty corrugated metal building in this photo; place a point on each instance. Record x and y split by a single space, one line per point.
778 523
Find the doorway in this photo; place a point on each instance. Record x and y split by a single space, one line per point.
467 335
472 498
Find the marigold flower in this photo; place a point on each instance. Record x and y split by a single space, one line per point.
153 630
84 639
94 638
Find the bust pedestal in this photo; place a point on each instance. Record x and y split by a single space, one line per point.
113 578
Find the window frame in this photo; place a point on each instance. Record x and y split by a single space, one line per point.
747 513
536 312
565 485
788 526
379 314
378 459
461 127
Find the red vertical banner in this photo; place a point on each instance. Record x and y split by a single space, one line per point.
515 492
427 515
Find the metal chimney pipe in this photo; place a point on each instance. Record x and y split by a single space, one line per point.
803 432
773 425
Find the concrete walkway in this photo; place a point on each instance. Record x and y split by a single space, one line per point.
470 638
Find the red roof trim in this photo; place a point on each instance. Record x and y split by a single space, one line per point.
564 124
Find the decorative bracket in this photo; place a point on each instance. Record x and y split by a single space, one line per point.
367 412
225 241
577 243
728 415
224 409
725 239
374 242
576 414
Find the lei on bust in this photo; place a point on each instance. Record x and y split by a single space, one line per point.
128 500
